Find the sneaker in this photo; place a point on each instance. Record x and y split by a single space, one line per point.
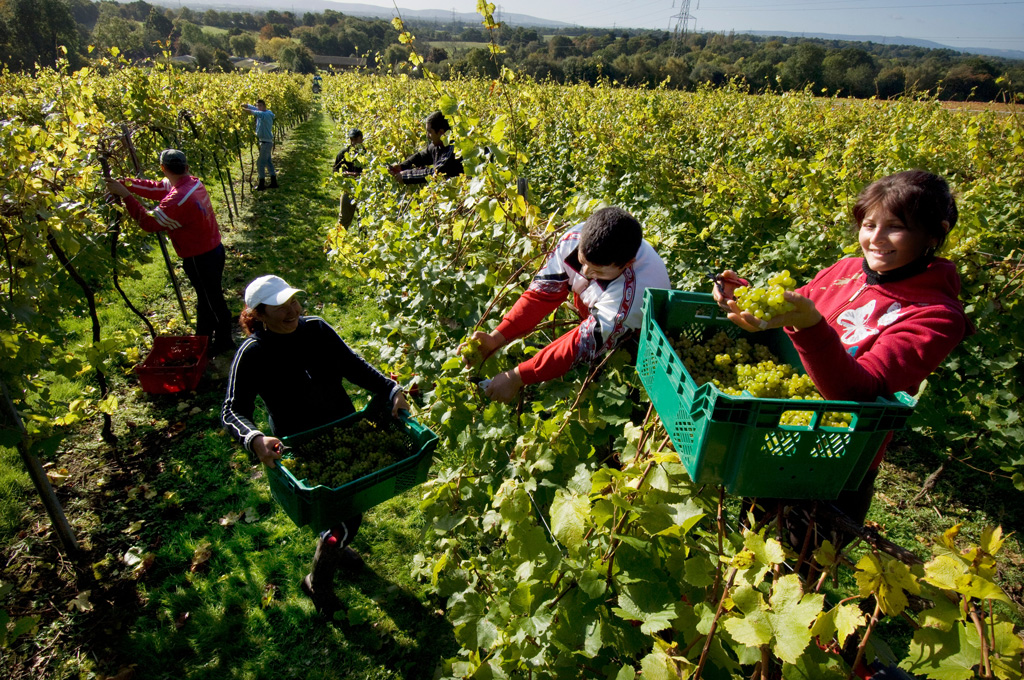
326 604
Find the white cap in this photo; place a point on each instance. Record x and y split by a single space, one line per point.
268 290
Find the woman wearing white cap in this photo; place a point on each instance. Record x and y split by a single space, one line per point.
295 364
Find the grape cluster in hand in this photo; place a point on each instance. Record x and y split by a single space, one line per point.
470 351
737 366
344 454
768 302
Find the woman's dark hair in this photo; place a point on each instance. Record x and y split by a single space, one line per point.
248 321
437 122
610 236
921 200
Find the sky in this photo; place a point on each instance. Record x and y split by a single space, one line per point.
995 24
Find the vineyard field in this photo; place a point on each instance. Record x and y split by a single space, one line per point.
558 536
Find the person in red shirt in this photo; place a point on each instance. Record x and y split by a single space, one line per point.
606 264
185 212
874 325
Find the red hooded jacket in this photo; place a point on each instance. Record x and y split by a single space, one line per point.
876 339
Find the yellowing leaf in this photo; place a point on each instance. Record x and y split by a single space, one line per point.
785 622
948 537
825 555
569 513
840 622
888 579
991 540
81 602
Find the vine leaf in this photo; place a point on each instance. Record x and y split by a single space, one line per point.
658 665
699 571
627 672
839 622
651 604
758 557
786 623
889 579
472 627
950 572
942 615
944 654
569 513
676 518
1006 664
826 555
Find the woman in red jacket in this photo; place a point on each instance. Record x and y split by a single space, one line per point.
874 325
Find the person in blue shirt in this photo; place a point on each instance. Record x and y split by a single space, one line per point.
265 137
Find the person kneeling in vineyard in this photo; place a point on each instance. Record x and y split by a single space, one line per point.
349 168
296 364
875 325
437 157
186 214
606 263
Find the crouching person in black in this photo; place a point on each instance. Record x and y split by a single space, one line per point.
436 157
295 364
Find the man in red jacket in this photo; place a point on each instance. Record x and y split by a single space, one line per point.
185 212
606 265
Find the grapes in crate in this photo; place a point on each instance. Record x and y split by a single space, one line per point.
344 454
770 301
737 367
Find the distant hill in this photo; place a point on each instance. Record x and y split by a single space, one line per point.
300 7
894 40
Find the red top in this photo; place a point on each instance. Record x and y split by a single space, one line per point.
609 309
876 339
184 212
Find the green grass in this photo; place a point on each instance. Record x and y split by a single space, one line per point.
240 613
459 45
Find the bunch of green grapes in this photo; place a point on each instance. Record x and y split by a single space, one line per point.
344 454
770 301
737 367
470 351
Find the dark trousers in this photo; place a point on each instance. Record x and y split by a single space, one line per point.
212 315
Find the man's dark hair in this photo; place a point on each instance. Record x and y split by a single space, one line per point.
437 122
611 236
260 102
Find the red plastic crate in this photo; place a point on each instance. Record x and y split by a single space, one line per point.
176 363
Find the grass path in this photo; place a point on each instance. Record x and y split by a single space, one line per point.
217 592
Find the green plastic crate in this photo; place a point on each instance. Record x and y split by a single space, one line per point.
321 507
737 441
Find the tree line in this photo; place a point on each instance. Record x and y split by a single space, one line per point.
32 30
